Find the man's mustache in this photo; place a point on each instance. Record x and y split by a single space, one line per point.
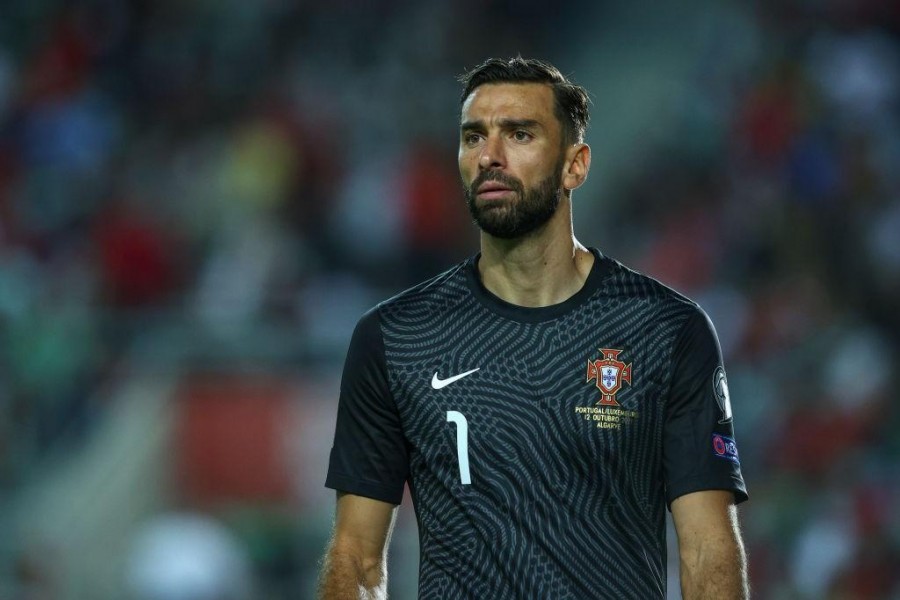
507 180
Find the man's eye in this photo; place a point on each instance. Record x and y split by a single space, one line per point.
522 136
471 138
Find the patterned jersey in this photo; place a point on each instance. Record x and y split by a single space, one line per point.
541 446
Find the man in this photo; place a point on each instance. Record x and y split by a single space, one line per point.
544 403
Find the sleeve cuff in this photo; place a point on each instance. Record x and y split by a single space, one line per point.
376 491
688 486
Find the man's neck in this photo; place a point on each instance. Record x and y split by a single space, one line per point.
542 269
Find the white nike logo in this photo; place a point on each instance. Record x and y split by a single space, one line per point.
438 383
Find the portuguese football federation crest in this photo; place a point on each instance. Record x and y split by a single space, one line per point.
609 373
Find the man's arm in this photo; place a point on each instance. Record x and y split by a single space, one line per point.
355 564
713 562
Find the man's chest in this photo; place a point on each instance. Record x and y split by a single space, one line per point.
527 401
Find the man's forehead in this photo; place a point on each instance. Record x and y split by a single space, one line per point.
509 100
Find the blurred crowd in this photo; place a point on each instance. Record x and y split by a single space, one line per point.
254 175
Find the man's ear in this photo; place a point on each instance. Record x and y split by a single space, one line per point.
577 165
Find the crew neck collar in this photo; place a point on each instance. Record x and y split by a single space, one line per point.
530 314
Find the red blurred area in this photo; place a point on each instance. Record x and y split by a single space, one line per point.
229 440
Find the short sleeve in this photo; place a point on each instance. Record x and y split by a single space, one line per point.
699 448
370 456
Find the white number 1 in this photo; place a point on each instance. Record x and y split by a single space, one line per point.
462 444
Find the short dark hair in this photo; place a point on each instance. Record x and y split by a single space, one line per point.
571 100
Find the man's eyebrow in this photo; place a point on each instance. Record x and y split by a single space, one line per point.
520 124
504 124
471 125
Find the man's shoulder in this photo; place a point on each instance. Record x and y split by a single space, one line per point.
628 284
443 289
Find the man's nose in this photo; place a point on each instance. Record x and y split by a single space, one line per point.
492 155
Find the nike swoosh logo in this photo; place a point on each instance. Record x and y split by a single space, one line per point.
438 383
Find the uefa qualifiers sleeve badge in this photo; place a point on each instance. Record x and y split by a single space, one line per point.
720 391
724 447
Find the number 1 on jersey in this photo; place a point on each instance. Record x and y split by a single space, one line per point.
462 444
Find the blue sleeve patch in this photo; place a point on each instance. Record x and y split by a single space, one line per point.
724 447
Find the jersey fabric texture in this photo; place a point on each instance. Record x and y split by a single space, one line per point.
583 421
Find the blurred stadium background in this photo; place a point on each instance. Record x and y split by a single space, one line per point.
199 198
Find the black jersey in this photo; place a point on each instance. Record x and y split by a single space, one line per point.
541 445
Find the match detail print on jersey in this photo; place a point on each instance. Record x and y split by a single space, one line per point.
438 383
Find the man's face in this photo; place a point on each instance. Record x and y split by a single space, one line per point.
511 157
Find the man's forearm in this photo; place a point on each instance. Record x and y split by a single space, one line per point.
345 577
718 571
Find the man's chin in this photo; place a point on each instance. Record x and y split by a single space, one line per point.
501 223
497 226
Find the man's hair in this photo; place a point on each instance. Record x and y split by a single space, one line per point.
571 100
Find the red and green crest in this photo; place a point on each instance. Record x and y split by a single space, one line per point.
609 372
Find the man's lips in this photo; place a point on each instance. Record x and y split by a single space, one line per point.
492 190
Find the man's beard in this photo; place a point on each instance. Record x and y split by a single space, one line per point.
514 218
